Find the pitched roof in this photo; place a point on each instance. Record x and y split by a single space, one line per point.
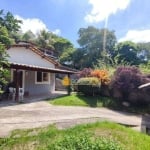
36 50
59 68
38 68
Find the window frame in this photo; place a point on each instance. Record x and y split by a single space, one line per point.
42 82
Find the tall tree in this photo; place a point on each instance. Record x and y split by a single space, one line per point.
5 41
8 26
65 50
28 36
44 40
127 52
78 59
144 51
94 42
10 23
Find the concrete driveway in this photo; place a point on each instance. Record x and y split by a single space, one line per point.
41 113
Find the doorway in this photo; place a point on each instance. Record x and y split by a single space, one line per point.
20 77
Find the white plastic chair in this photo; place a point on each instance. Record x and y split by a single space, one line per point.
21 94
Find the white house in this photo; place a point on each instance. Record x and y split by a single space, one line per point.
32 70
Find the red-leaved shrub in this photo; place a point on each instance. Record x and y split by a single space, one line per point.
126 81
86 72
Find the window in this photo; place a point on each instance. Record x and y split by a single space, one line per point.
42 77
39 77
45 76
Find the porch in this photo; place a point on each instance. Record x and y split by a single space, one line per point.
32 98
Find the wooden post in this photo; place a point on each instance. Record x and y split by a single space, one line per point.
69 86
17 85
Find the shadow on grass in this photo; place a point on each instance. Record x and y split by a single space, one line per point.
101 101
98 101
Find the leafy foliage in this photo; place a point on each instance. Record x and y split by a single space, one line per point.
145 68
127 80
92 43
144 51
106 135
9 21
4 37
5 41
127 52
28 36
65 50
89 85
44 40
86 72
102 75
89 81
66 81
8 26
84 142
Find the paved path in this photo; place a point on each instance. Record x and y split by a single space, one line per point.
37 114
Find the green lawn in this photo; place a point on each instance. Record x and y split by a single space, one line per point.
97 101
81 100
100 135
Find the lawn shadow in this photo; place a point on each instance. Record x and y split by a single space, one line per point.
90 100
99 101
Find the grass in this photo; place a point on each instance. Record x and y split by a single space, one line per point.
98 101
101 133
81 100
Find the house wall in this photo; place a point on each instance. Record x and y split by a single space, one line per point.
36 89
22 55
26 56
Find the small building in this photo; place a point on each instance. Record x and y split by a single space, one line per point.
32 70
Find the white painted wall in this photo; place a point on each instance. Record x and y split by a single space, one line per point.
22 55
37 89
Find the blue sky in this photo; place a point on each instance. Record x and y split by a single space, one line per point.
130 19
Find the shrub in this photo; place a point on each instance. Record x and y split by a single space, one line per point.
126 81
66 81
86 72
127 78
102 75
89 85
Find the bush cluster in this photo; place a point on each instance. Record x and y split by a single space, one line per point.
89 85
125 83
102 75
127 78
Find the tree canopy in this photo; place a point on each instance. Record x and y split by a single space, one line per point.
5 41
8 26
144 51
127 52
93 42
10 23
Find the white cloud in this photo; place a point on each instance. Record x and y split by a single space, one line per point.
102 9
57 32
33 24
137 36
